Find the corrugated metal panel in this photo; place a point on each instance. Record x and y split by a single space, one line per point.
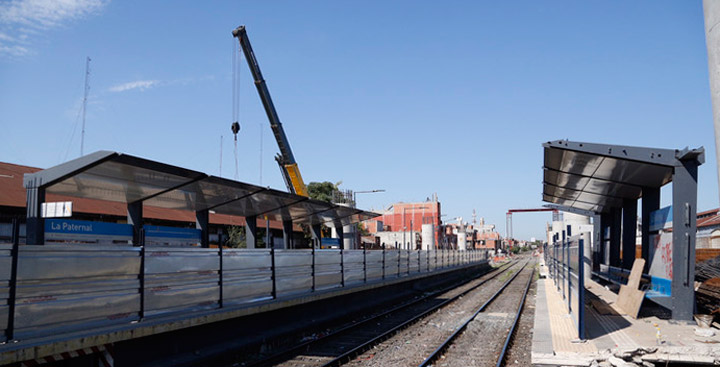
65 288
374 265
74 287
391 264
404 262
181 280
353 266
5 269
423 259
247 275
293 272
328 271
413 259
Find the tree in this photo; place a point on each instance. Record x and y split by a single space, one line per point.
236 237
325 191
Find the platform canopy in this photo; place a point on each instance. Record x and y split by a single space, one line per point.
598 177
119 177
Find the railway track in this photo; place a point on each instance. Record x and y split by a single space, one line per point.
484 338
342 344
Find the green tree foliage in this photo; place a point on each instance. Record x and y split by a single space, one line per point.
324 191
236 237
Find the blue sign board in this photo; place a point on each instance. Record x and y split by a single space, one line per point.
189 234
83 227
330 242
661 218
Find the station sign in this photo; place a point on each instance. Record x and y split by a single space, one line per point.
86 231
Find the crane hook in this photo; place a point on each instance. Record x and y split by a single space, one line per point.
235 127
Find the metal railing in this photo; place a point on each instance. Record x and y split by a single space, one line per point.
564 260
57 289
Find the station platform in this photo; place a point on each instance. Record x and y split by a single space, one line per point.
613 338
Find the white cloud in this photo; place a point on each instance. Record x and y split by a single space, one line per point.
138 84
21 18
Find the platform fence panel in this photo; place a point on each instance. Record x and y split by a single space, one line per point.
565 265
247 276
66 288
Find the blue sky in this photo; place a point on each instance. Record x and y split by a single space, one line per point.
411 97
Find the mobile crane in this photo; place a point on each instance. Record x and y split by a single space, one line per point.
285 159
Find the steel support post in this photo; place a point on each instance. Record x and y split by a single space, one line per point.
597 242
12 291
629 233
251 232
582 246
202 222
650 203
135 219
615 236
316 230
287 234
35 224
341 234
684 190
605 221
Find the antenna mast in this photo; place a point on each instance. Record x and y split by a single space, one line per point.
84 105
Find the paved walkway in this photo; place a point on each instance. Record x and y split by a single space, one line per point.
609 333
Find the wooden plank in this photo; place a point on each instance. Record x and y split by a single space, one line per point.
630 298
636 273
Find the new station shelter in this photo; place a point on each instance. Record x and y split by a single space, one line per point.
606 182
137 183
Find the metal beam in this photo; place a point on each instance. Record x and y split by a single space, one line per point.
35 223
684 212
615 236
251 232
650 203
569 209
287 234
629 232
202 222
135 219
656 156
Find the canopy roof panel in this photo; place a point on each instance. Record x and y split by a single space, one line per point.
123 178
598 177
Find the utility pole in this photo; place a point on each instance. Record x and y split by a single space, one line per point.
84 105
711 10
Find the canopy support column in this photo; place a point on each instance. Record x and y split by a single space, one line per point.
605 219
684 209
135 219
340 234
615 236
202 222
629 232
650 203
287 234
251 232
316 230
35 224
597 242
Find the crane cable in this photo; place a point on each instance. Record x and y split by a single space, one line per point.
235 127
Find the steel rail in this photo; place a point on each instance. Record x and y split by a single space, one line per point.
435 354
384 335
283 355
515 322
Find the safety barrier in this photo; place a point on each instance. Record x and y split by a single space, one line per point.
60 289
564 259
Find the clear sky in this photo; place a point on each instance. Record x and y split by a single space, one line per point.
407 96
